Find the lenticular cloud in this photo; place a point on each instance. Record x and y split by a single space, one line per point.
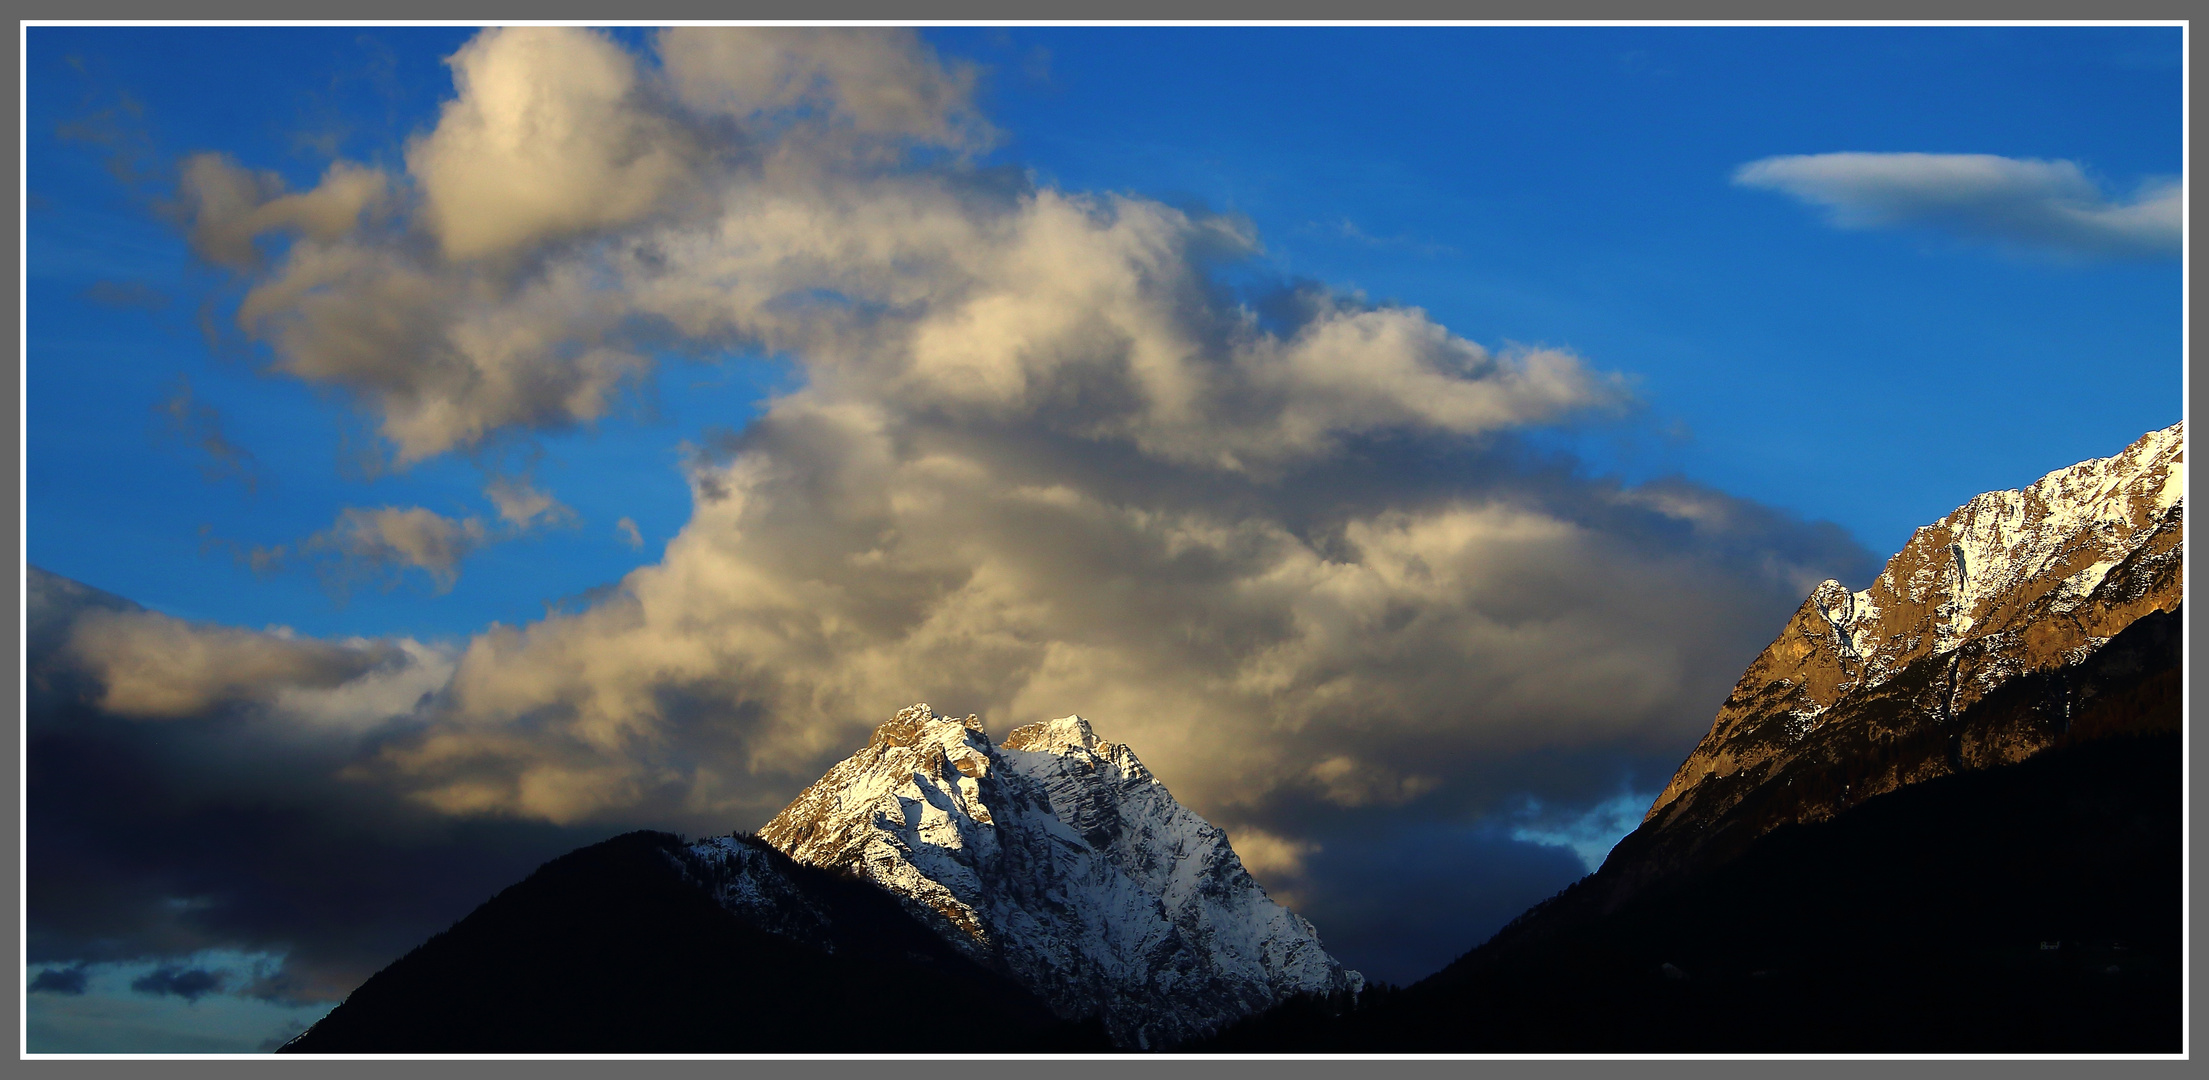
2048 205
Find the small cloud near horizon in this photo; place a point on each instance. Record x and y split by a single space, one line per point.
188 983
61 980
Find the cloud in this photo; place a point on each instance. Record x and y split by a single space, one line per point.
155 667
370 540
1043 460
1349 230
523 507
875 85
2025 202
548 137
209 807
1268 856
229 207
199 424
385 542
813 227
114 122
188 983
1363 638
1590 833
61 980
626 529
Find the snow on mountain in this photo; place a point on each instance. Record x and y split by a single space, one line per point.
742 876
2011 582
1059 859
1977 570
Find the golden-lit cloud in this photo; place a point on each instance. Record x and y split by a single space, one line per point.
548 136
1041 461
369 540
151 666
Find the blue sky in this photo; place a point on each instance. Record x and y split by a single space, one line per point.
1551 186
1983 292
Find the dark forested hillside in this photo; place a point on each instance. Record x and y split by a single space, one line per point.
612 949
2033 907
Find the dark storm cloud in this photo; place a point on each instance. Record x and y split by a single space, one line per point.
233 825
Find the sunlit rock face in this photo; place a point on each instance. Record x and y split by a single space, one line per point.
1866 692
1057 858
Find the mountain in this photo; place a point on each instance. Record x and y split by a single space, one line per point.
637 945
1866 692
1057 858
1942 814
1050 885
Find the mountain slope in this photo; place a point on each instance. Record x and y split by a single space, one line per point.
1059 859
2027 908
629 946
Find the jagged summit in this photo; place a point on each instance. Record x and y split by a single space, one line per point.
2001 558
913 722
1052 736
1060 860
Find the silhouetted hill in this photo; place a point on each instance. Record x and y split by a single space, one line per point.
1918 921
615 948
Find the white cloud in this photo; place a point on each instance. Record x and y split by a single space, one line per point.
549 136
626 529
367 540
2026 202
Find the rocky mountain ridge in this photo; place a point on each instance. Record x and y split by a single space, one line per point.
1057 858
2011 583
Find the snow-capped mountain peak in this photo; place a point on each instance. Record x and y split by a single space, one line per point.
1060 860
2006 558
2012 582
